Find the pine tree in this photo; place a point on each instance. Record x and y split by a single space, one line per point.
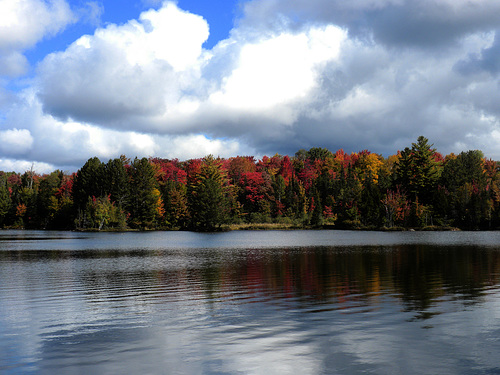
5 201
117 182
417 171
144 197
466 185
89 182
206 196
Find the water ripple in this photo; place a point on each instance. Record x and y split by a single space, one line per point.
91 304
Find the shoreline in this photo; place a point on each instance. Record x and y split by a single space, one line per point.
273 226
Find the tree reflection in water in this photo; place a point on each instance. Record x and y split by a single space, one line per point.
420 276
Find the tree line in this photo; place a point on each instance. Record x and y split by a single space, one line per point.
415 188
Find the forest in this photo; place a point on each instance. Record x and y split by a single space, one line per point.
417 188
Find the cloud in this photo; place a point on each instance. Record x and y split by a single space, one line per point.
20 166
399 23
13 64
23 23
68 144
119 77
291 75
278 69
15 141
91 13
123 73
153 75
382 99
488 60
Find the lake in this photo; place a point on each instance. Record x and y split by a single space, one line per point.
250 302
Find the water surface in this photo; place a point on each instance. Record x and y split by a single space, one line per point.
271 302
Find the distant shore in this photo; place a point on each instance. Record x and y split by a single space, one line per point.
270 226
291 226
279 226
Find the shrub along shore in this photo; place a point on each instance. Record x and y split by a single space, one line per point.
417 188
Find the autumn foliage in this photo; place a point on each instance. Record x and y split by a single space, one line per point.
416 187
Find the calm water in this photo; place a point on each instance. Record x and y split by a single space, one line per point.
273 302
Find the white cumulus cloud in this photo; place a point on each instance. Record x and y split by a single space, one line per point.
365 74
280 69
20 166
124 73
15 141
25 22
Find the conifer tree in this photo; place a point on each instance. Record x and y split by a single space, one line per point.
117 182
89 182
144 196
206 196
5 200
417 171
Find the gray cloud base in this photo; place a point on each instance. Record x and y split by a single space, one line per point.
401 69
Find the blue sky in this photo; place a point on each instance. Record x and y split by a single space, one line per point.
252 77
220 15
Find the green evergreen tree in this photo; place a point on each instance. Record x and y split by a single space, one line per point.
296 200
116 180
143 197
370 203
348 195
46 201
317 153
465 181
5 201
89 182
206 196
417 171
279 189
466 167
317 219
